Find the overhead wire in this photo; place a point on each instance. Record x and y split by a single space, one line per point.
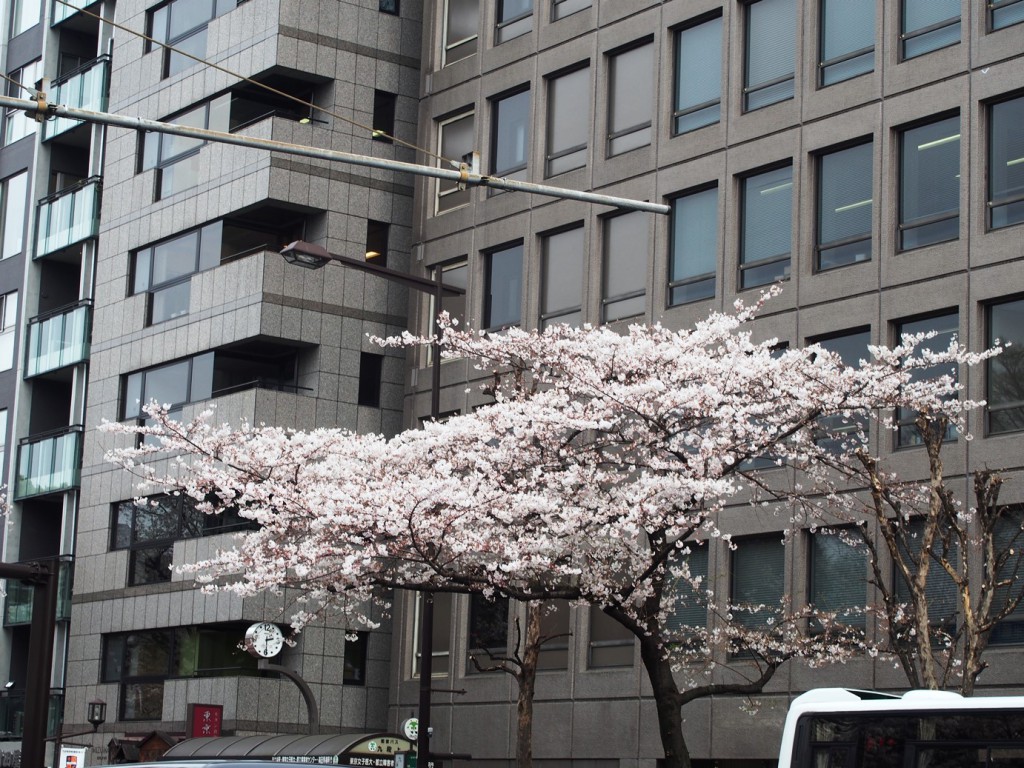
369 129
20 85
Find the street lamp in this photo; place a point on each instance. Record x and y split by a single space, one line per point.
313 256
96 713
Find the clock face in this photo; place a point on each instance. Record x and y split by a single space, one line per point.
264 639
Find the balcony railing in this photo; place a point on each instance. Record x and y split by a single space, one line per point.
18 606
85 88
12 714
49 463
58 339
68 217
62 12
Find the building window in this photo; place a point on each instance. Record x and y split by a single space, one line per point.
1005 373
510 135
370 368
440 637
1005 13
555 630
515 18
455 274
758 580
173 384
630 98
693 247
13 206
182 24
384 116
625 266
927 25
355 650
568 121
3 438
946 327
1006 162
839 433
941 592
455 140
770 53
176 158
1007 538
930 184
838 582
690 611
766 230
17 123
611 644
388 6
698 91
377 235
562 278
461 20
488 630
148 529
562 8
847 40
503 287
845 205
142 661
8 326
25 14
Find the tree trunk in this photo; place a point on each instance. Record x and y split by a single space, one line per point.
667 703
526 676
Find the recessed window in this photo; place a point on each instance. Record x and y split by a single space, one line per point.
510 135
625 266
1006 163
355 653
25 14
611 644
693 247
946 326
384 115
176 158
487 637
515 18
758 580
766 230
838 572
847 40
568 121
454 273
455 140
555 631
927 25
770 60
504 287
8 327
1008 537
388 6
13 207
440 637
1005 13
562 8
173 384
840 433
941 592
17 123
690 611
930 184
698 74
182 24
631 80
845 205
1004 391
461 22
562 278
3 438
370 367
377 234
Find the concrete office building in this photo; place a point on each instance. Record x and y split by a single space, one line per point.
870 155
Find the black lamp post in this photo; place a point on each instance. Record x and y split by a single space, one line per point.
313 256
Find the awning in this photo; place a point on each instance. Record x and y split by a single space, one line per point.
371 750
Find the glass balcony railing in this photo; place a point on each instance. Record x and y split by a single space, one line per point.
12 713
58 339
65 10
85 88
68 217
49 463
18 606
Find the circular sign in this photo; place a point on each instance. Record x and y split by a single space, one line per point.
411 729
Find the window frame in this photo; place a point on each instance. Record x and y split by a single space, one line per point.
756 620
8 330
679 112
752 89
904 417
390 7
561 9
441 645
608 628
685 283
859 621
784 259
824 65
217 9
11 216
990 337
921 222
449 47
510 28
489 256
510 120
607 255
992 9
837 427
1006 199
445 188
843 244
12 116
548 316
644 128
552 129
371 370
906 36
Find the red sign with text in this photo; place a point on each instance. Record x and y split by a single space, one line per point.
205 719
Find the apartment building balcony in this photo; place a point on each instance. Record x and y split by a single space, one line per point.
12 713
58 339
49 463
62 12
18 605
68 218
85 88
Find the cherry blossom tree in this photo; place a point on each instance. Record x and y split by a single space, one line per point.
603 462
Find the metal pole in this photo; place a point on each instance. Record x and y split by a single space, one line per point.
40 663
34 108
